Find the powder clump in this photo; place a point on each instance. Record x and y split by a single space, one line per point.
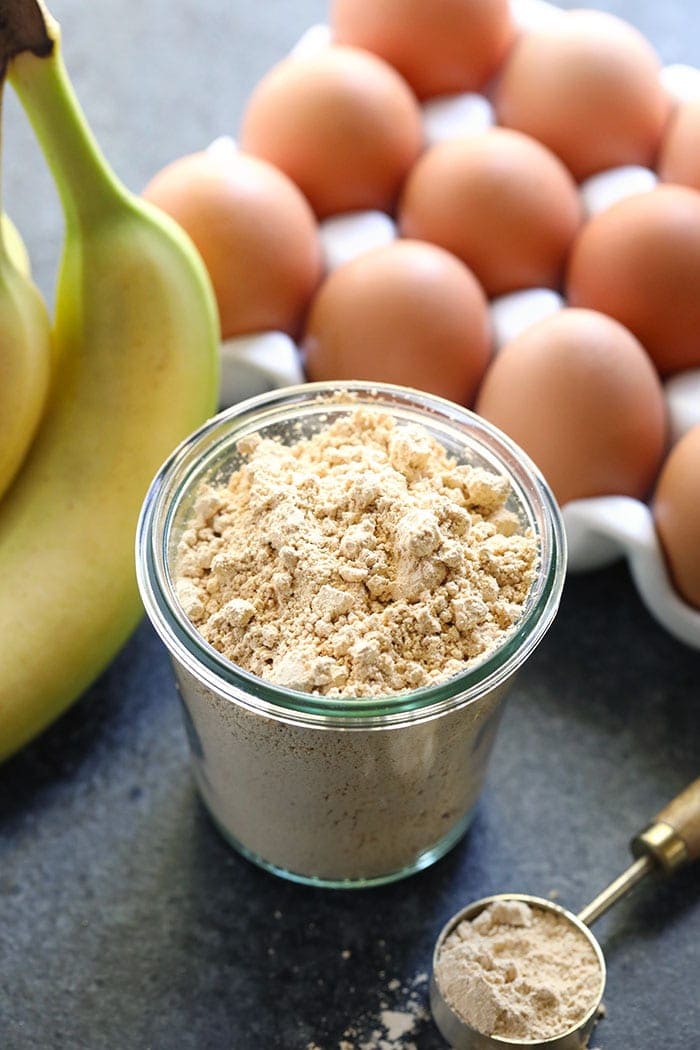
362 560
519 972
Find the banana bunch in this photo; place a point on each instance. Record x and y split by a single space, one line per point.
134 369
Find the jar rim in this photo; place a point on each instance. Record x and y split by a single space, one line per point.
180 472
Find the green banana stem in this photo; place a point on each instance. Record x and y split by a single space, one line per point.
87 187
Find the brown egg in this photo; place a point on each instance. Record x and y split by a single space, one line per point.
676 509
341 123
639 262
501 202
255 232
454 49
580 395
587 85
679 157
406 313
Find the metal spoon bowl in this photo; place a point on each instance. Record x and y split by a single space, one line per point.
461 1036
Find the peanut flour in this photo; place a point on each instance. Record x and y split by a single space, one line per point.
360 561
519 972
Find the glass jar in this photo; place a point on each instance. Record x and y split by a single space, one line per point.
345 791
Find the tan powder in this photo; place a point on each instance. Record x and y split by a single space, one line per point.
360 561
519 972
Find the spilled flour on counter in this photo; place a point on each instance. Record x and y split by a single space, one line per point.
519 972
395 1027
360 561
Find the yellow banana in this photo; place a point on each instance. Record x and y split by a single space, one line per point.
136 369
25 342
16 248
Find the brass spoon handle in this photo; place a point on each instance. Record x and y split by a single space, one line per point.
671 840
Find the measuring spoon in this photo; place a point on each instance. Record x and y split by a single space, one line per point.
669 842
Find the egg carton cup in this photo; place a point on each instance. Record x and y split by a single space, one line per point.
599 530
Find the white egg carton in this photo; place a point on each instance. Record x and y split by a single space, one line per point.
600 530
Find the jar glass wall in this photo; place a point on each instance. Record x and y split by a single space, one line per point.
345 791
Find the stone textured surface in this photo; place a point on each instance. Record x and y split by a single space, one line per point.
125 922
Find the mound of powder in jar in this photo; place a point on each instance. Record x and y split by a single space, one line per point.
519 972
360 561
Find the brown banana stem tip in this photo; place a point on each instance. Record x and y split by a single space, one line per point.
22 28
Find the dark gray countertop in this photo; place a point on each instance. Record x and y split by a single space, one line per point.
125 921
